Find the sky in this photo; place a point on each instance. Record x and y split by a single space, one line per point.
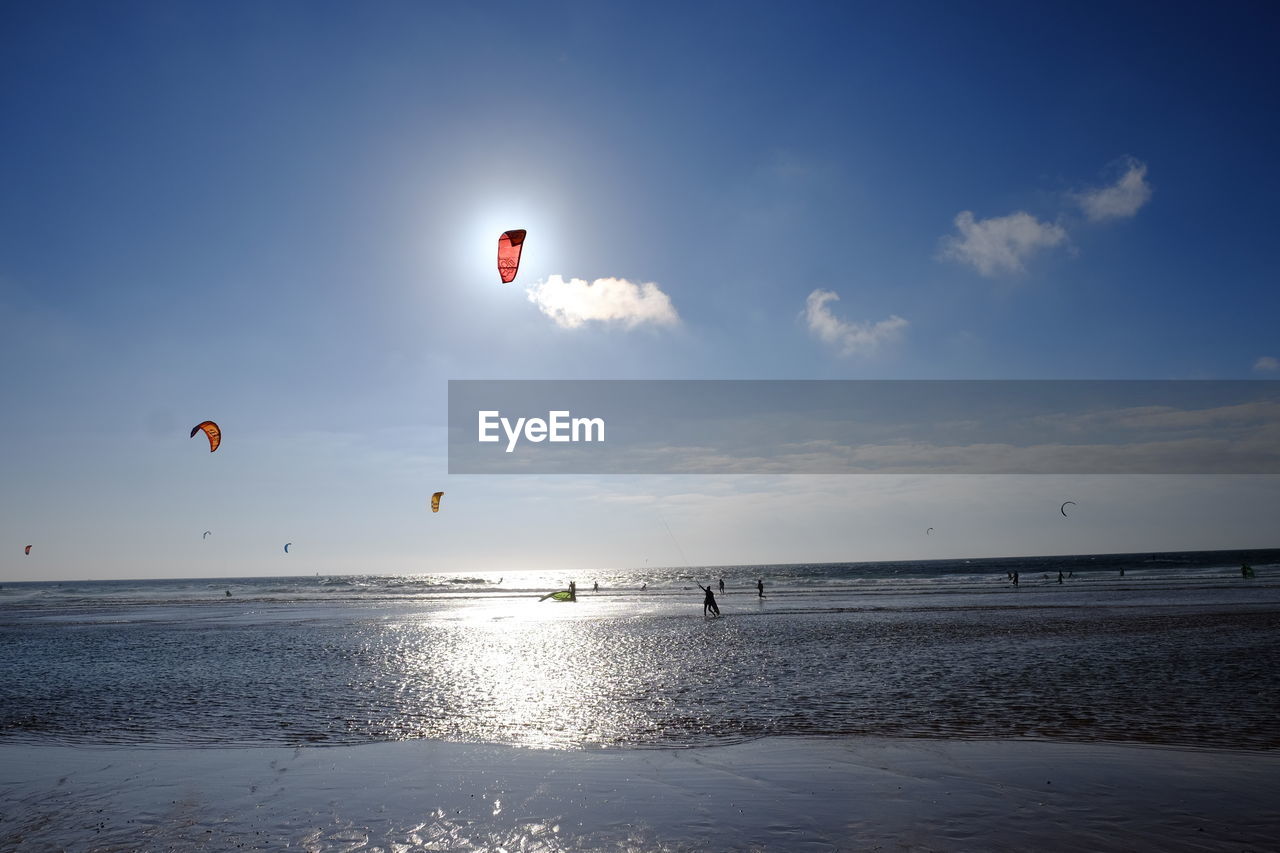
283 217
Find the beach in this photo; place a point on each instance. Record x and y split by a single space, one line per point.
929 706
584 426
773 794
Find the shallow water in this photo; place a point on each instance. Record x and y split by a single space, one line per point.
1185 656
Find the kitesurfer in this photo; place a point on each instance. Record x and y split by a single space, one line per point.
709 603
760 587
722 586
595 587
1059 576
1015 578
573 591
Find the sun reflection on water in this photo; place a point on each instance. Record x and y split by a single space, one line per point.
608 671
528 672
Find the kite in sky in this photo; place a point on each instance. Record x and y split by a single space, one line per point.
206 534
286 547
1063 509
211 430
27 550
435 501
509 246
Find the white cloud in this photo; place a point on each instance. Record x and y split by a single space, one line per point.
1000 244
849 338
1120 200
1267 363
607 300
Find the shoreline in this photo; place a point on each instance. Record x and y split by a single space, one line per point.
777 793
995 564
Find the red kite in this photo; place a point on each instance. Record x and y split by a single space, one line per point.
509 246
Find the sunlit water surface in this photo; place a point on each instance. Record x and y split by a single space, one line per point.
1177 654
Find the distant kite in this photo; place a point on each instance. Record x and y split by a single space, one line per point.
27 550
435 501
927 532
206 534
509 246
211 430
286 547
1063 509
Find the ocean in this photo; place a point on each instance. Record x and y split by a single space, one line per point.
1171 649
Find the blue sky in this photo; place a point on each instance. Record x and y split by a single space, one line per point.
283 217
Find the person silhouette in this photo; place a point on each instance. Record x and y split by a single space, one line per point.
709 603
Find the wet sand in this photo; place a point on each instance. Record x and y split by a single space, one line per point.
793 794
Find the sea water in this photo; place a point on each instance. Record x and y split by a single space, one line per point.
1173 648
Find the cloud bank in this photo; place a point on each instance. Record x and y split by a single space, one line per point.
575 302
1122 199
849 338
1267 363
1001 244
